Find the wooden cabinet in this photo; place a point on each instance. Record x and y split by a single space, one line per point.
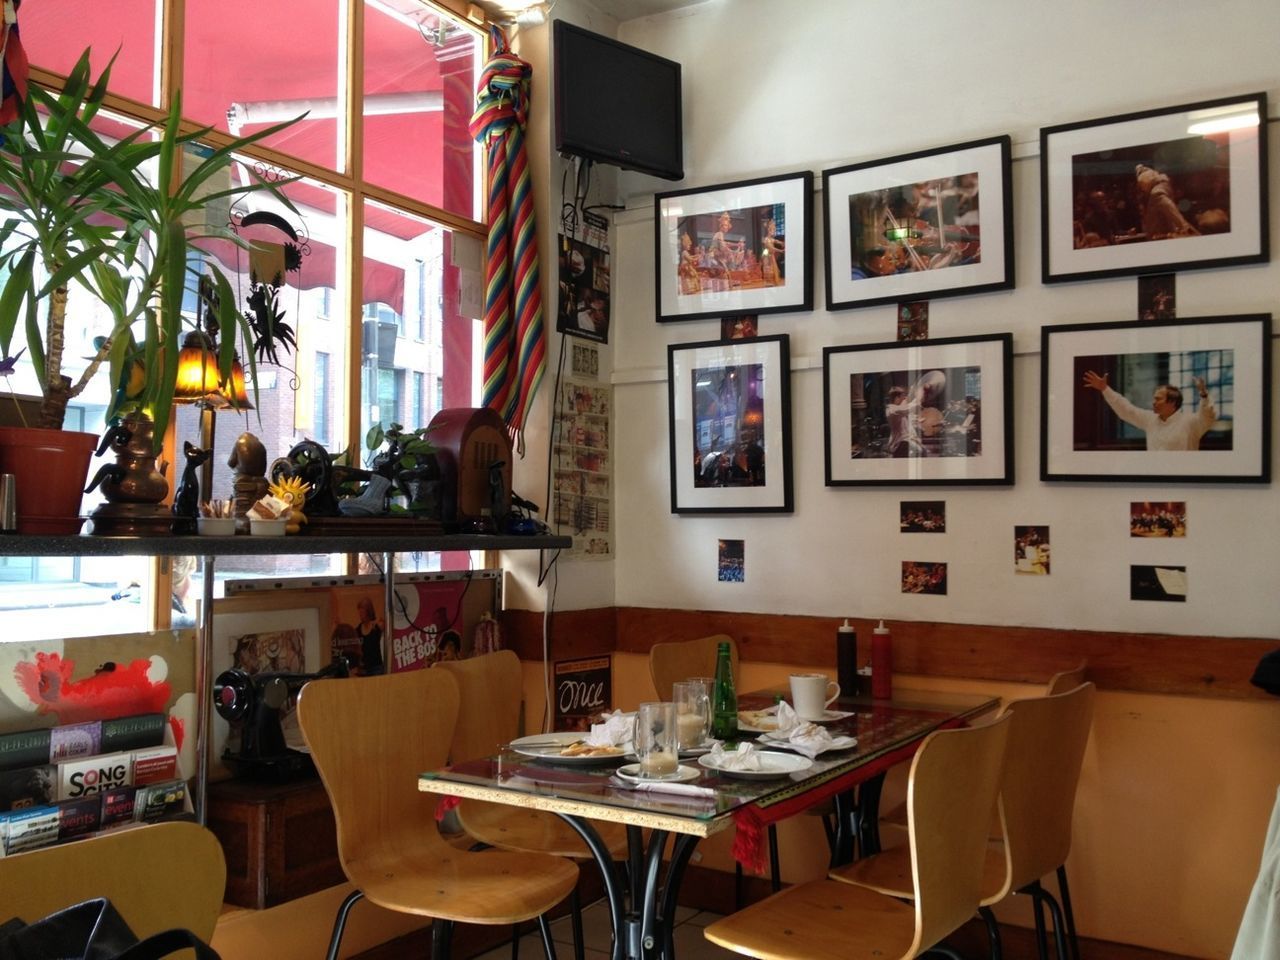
278 839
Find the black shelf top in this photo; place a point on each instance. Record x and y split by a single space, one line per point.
14 545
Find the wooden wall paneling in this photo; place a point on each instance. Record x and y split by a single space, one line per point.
574 633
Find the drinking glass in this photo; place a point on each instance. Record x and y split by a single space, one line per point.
693 712
656 739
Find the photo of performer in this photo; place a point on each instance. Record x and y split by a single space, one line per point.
919 226
1152 191
938 415
732 250
1168 425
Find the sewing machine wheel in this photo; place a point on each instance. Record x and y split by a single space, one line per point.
275 693
233 694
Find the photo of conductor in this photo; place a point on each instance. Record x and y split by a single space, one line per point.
905 413
1152 191
1154 401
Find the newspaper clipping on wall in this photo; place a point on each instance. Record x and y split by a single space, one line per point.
582 460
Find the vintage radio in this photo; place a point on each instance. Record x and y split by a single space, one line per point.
474 451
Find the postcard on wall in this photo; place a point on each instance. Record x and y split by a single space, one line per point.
583 469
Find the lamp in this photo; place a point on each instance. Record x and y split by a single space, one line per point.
198 383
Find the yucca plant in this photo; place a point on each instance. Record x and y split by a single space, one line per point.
112 216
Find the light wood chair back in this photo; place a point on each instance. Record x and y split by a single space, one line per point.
951 791
158 877
370 738
1038 789
490 689
1067 680
680 660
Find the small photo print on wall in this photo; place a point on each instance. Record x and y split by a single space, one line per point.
922 516
1168 584
1157 297
732 561
738 328
913 320
1158 519
1031 550
924 577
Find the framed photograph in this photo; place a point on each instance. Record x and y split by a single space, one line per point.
1175 188
1179 401
937 223
735 248
930 413
267 633
729 404
583 308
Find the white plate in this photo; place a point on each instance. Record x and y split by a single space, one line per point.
631 773
547 746
758 721
772 765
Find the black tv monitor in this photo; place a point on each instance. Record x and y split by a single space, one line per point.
617 104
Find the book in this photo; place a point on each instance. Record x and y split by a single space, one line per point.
157 800
77 778
117 805
154 764
24 748
78 817
31 787
74 740
29 828
133 733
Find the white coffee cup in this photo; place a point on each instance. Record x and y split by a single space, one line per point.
811 694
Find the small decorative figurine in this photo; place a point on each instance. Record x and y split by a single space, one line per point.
249 460
292 491
186 499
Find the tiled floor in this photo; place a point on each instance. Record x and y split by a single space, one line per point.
690 943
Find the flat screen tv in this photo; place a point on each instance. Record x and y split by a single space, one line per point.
617 104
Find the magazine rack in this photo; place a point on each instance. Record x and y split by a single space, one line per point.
210 548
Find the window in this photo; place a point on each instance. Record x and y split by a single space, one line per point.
417 411
421 181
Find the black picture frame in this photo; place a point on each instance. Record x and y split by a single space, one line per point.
707 268
1087 436
729 420
933 413
890 238
1174 188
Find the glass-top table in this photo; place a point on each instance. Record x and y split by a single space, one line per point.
887 731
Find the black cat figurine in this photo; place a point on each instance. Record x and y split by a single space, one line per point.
186 499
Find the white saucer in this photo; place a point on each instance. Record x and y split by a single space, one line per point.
631 773
772 764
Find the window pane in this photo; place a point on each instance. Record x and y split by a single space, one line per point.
56 32
419 91
301 398
44 598
240 77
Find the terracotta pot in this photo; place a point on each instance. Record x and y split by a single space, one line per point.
49 467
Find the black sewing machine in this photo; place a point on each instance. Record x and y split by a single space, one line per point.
255 700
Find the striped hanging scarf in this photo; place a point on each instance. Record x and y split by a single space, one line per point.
514 350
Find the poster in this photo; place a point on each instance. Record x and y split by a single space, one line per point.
583 466
583 303
583 690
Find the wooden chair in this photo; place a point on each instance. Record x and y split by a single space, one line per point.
491 689
1047 740
680 660
370 738
951 791
157 877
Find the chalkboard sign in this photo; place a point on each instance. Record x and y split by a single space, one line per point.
583 690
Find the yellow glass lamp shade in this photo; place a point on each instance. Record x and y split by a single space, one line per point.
198 377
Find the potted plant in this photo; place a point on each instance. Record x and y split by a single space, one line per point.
112 217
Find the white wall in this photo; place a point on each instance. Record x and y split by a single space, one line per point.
772 87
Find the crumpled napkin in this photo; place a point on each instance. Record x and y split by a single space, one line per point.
744 758
802 736
617 730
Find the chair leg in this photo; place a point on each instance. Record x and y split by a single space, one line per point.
775 870
993 932
441 938
515 941
1065 893
548 947
737 886
340 923
575 918
1042 938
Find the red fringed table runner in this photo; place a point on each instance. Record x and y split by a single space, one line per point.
446 804
750 821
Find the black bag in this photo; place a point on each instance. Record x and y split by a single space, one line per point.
92 930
